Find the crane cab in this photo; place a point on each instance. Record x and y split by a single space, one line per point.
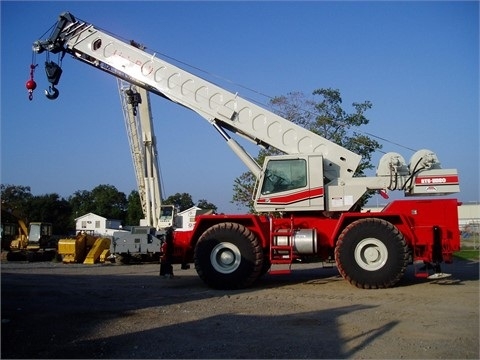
168 214
291 183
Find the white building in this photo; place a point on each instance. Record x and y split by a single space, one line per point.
96 225
469 213
185 220
469 218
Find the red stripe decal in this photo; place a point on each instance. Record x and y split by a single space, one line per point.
437 180
293 198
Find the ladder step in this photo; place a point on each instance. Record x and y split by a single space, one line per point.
282 254
328 264
280 272
422 275
282 233
281 261
281 247
421 270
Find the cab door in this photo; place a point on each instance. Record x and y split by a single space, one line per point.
291 183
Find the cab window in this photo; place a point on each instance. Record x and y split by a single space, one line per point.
284 175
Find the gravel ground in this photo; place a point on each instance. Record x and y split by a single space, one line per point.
54 310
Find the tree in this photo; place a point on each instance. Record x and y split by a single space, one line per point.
15 200
183 201
109 202
81 203
53 209
243 189
134 209
204 204
333 122
322 114
103 200
18 201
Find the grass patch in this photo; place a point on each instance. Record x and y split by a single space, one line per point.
467 254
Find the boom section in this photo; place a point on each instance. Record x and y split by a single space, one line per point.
141 136
218 106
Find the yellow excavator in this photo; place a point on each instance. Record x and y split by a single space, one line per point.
33 243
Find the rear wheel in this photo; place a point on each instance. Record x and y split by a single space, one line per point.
228 256
371 254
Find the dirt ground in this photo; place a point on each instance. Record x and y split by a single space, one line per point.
54 310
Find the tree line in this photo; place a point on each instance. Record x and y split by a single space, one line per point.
105 200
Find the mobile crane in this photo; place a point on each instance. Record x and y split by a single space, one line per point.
307 196
140 131
142 241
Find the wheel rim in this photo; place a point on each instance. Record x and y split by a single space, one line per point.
225 258
371 254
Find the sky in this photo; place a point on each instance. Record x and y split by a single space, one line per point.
416 62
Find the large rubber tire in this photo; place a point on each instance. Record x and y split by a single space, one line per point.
371 254
228 256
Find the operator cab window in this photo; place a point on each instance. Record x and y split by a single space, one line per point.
166 212
284 175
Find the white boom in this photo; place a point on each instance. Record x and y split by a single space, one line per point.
217 105
316 174
140 131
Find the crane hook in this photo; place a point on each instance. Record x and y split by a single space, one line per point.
53 71
52 93
31 84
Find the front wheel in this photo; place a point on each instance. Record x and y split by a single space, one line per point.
371 254
228 256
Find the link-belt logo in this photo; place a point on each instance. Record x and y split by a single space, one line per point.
433 181
437 180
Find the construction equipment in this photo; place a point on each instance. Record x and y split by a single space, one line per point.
140 131
84 248
9 232
35 244
142 242
309 193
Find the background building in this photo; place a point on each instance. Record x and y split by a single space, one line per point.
96 225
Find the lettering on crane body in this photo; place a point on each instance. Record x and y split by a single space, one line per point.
452 179
146 70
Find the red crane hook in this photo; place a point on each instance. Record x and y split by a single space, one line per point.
31 84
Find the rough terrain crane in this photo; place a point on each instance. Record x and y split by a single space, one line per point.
307 196
142 241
